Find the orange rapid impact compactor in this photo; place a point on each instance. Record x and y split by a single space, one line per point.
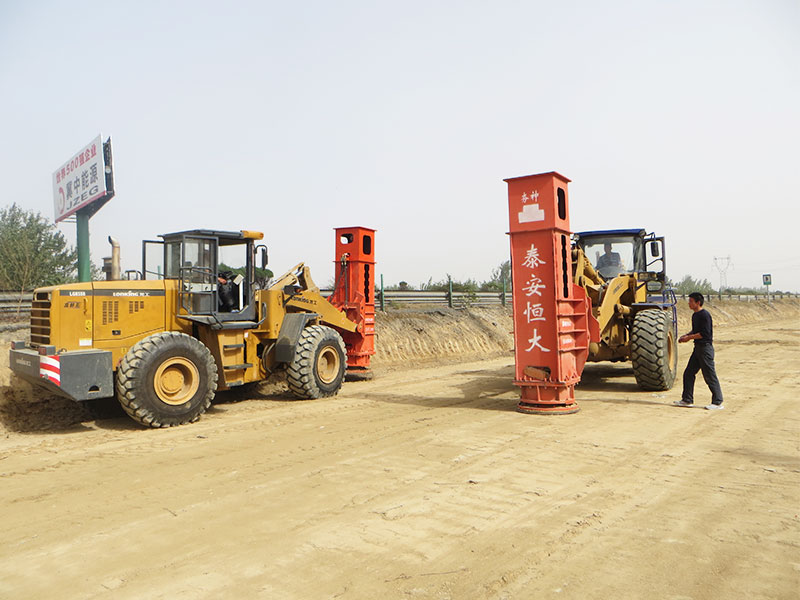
552 316
354 293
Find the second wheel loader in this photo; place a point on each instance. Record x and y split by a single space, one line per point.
623 272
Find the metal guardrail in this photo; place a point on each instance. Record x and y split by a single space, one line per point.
458 300
16 304
743 297
461 299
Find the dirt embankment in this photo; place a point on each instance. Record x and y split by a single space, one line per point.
437 334
403 338
735 312
406 336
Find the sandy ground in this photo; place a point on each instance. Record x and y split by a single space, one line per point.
423 483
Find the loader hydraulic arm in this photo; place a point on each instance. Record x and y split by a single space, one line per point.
306 297
583 270
299 275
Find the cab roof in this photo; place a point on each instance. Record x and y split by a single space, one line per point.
225 237
610 232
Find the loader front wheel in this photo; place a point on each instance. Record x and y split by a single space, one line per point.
318 367
166 379
654 351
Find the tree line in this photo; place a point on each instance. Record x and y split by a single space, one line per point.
499 277
688 284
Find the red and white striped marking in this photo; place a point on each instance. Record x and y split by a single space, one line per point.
50 368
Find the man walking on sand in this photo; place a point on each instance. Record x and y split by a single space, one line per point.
702 358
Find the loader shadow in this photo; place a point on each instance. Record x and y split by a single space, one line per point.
108 414
628 401
272 391
481 390
26 410
607 378
614 378
54 415
275 390
495 390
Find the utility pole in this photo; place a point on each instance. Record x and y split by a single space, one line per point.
722 263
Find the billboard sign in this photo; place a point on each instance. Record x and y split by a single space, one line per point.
80 181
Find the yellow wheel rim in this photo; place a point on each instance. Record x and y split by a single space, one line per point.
328 364
176 380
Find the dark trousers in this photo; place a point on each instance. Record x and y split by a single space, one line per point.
702 359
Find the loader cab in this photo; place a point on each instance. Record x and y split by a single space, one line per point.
199 259
619 251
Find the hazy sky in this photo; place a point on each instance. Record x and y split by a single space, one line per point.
296 117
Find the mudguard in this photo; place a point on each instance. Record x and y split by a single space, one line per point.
291 328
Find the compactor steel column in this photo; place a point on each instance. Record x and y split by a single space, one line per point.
355 293
550 314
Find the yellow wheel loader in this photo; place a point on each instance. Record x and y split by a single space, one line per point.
166 342
623 272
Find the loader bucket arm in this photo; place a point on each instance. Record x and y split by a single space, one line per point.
311 301
583 270
612 307
299 275
308 298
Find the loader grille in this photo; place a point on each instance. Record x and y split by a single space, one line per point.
40 319
110 311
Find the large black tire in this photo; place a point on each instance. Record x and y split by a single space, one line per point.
318 367
166 379
654 351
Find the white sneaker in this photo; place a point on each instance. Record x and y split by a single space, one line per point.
714 407
682 403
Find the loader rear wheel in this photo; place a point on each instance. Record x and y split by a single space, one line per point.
317 370
654 353
166 379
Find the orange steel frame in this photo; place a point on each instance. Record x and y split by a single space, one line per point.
355 292
551 337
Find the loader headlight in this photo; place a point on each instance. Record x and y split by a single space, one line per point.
653 286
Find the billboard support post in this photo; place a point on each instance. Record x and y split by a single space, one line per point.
84 261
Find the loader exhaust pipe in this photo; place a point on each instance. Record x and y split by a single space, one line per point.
113 273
